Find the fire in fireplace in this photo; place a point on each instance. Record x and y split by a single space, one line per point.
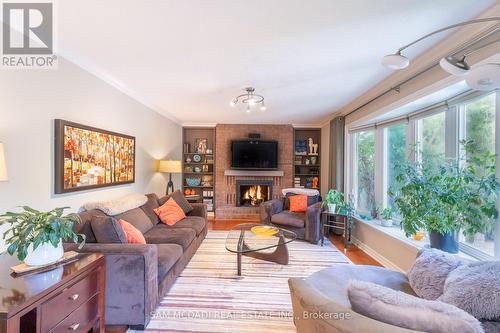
252 193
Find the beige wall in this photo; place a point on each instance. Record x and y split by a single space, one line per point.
29 102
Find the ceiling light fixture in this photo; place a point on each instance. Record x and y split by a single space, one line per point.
250 98
457 66
484 77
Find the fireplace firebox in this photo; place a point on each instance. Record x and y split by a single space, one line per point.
251 193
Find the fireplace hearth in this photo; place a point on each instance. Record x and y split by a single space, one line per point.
251 193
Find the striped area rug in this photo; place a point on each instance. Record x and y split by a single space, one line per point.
210 297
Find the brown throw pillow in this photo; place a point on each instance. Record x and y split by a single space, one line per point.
107 230
181 201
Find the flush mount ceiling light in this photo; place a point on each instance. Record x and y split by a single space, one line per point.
484 77
250 98
454 65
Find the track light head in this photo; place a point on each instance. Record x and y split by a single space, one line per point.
395 61
455 66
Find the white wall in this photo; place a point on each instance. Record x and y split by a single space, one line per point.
29 102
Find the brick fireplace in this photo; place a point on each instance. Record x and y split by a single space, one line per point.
228 201
251 193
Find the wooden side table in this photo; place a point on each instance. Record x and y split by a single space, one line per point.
336 221
68 298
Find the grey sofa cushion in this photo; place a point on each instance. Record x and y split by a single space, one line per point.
430 270
196 223
179 199
292 219
403 310
137 218
84 227
475 288
107 230
161 235
168 255
149 207
491 326
311 200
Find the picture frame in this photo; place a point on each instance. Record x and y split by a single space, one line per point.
88 158
201 145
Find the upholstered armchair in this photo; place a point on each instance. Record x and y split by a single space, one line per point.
305 225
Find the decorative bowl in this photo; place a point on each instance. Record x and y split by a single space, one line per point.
193 181
264 230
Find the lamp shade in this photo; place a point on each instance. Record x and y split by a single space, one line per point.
3 165
170 166
484 77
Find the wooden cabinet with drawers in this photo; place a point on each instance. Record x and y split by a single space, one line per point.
69 298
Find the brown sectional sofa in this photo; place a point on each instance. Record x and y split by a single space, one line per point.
138 275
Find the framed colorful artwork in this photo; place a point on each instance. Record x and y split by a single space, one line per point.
88 158
201 145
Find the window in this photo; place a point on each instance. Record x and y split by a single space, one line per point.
365 165
378 154
395 155
480 128
432 140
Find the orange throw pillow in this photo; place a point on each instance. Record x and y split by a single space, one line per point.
170 212
134 236
298 203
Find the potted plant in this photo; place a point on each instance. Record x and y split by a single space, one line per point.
333 200
459 195
37 236
386 215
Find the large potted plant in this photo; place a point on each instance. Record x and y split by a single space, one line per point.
459 195
37 236
333 200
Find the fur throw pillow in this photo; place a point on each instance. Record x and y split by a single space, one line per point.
429 272
475 288
117 206
407 311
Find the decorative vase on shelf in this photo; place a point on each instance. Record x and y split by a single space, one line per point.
44 254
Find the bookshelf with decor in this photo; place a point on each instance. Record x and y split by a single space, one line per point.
306 162
198 167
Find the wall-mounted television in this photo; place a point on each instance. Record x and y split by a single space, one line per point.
254 154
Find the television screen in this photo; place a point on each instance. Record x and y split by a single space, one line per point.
254 154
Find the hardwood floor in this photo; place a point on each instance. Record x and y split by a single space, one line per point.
356 255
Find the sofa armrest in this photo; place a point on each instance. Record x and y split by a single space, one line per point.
199 209
314 312
313 222
131 281
269 208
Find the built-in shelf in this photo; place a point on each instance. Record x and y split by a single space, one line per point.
303 162
254 173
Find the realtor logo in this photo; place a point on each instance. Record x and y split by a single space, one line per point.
28 35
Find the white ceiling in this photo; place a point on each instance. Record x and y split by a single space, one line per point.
188 58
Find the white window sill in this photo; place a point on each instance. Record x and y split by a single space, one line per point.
398 234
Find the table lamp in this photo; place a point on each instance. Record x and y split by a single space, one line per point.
170 166
3 165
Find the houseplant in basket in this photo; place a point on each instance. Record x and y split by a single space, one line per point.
458 196
333 200
37 236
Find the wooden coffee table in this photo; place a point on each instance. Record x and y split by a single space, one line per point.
242 241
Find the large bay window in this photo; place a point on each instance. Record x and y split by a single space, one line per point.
377 152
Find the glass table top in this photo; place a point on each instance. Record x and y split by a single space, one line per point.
250 237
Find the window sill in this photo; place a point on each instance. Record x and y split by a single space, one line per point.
398 234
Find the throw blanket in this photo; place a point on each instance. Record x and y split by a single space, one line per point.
306 191
118 205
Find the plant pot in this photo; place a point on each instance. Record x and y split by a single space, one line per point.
386 223
396 222
447 242
332 208
44 254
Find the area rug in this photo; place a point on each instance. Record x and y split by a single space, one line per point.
210 297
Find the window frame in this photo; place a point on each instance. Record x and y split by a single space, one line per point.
455 125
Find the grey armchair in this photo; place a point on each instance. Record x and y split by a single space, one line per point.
305 225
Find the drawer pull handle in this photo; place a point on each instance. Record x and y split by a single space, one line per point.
74 327
74 297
